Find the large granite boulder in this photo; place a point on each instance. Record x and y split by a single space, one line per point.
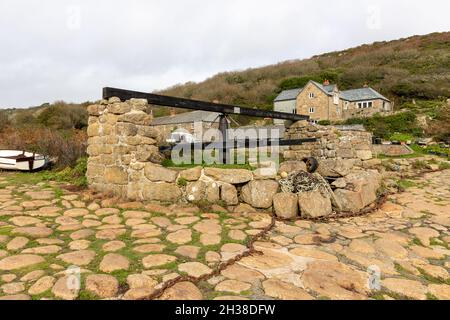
259 193
285 205
360 191
314 204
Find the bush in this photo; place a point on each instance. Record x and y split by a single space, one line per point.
61 116
4 120
324 122
385 127
297 82
64 147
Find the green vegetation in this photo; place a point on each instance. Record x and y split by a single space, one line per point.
182 182
419 164
444 166
325 122
402 137
405 184
405 69
385 127
168 163
75 175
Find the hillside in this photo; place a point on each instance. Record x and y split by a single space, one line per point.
413 72
413 68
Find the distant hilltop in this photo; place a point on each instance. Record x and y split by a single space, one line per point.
401 70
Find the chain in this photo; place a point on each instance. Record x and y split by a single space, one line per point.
250 251
251 248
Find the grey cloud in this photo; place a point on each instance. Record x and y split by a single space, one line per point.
56 49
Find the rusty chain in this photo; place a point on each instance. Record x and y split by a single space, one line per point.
251 248
222 266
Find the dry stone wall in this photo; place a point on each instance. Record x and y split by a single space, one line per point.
331 144
124 161
338 151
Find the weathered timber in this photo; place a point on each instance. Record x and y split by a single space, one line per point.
161 100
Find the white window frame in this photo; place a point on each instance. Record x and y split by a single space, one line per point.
312 109
312 95
365 104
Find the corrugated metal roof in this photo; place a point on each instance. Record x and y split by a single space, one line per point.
288 95
187 117
362 94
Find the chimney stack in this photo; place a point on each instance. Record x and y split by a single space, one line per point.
326 82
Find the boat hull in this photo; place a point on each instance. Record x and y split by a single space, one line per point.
21 161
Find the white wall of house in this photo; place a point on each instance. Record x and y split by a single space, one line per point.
288 106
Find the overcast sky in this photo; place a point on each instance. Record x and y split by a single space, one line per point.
57 49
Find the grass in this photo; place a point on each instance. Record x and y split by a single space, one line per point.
419 165
182 182
438 242
170 164
75 176
432 279
402 137
431 296
405 184
444 166
416 154
417 242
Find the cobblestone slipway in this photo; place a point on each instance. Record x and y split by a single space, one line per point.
128 250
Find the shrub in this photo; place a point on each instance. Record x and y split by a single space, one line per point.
64 147
325 122
297 82
444 166
4 120
61 115
385 127
420 165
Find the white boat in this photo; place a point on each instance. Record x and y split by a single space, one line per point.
21 160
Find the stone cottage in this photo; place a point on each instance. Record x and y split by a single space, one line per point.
326 102
186 121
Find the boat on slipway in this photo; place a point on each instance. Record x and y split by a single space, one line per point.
21 160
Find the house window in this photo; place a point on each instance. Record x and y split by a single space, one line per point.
311 95
312 110
294 111
365 104
345 105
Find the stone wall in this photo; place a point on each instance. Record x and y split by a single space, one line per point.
331 144
121 145
124 161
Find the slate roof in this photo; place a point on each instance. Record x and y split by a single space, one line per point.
187 117
362 94
287 95
328 89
